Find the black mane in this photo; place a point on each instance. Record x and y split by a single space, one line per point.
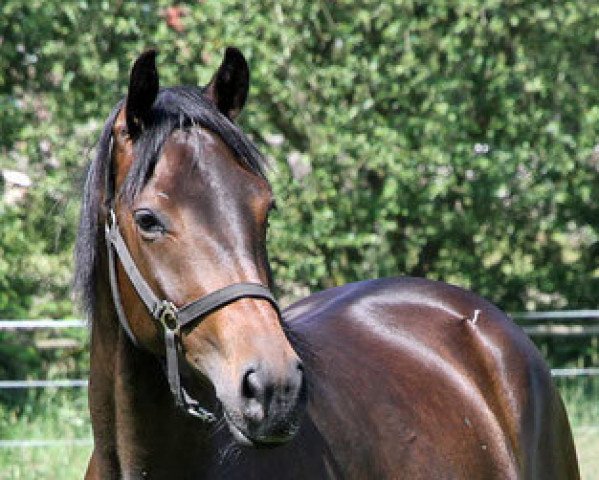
174 108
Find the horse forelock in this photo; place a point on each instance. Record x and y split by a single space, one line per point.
182 107
175 108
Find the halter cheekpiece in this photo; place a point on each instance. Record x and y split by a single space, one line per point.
171 318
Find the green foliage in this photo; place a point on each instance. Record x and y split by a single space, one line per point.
390 101
454 140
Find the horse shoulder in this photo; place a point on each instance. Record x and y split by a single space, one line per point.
427 378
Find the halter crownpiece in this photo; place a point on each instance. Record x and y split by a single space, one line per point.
171 318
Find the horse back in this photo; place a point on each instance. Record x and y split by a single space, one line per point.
410 378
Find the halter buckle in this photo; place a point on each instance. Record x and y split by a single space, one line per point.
110 222
166 313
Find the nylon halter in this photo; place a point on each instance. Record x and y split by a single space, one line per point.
171 318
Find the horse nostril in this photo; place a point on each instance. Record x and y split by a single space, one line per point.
251 386
295 380
252 389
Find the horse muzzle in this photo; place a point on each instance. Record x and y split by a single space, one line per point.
269 407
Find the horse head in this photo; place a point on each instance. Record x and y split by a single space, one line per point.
191 202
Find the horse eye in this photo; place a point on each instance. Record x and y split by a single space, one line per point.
148 222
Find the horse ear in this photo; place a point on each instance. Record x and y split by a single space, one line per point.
143 89
229 86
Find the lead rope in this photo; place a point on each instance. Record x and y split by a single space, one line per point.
167 314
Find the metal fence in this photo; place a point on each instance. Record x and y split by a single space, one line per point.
569 323
562 324
565 323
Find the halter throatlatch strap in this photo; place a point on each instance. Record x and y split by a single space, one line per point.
171 318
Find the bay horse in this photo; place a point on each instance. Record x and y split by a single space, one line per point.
196 373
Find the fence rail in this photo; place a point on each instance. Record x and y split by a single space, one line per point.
561 330
575 372
564 315
570 315
59 383
84 383
523 318
37 443
40 324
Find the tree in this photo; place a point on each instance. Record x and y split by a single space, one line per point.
451 140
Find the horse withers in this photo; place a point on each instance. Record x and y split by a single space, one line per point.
195 372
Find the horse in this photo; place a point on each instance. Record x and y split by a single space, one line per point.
197 373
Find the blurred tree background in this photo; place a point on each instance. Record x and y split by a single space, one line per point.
453 140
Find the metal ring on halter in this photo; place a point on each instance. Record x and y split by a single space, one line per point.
110 221
166 313
112 217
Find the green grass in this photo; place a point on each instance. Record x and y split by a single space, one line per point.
587 448
54 415
63 415
581 396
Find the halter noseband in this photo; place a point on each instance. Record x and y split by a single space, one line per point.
171 318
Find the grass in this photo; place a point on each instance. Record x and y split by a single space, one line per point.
587 447
54 415
63 415
581 396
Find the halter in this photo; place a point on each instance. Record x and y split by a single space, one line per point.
171 318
